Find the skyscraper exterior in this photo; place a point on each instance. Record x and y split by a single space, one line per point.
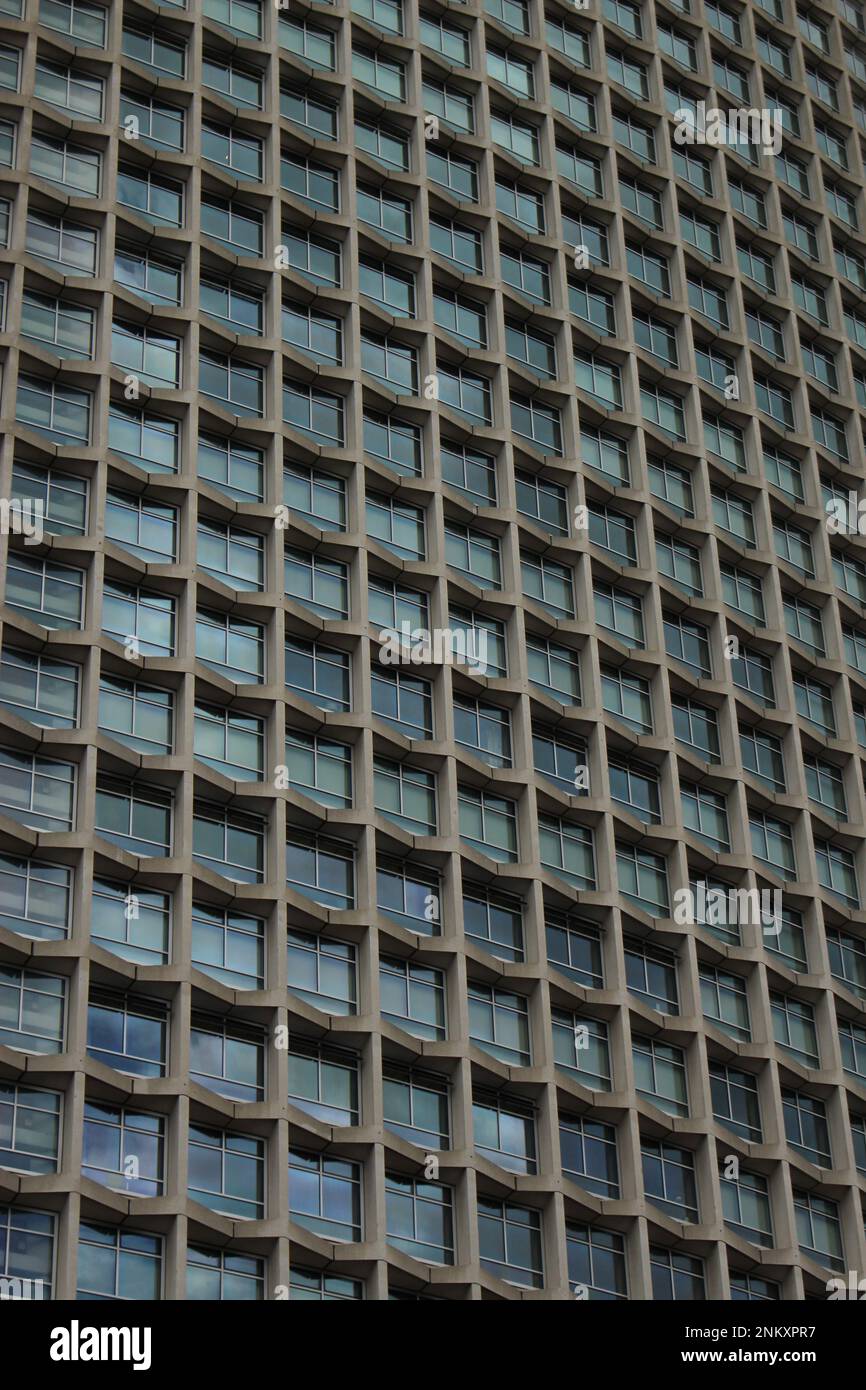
433 669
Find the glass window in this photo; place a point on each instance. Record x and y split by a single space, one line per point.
627 697
38 792
819 1228
238 227
232 646
29 1129
227 1172
131 921
504 1131
43 690
317 496
239 306
669 1179
229 945
320 674
319 767
222 1275
417 1106
230 842
228 1057
410 894
234 468
412 996
128 1033
134 815
510 1242
316 114
35 898
324 1081
574 949
588 1152
419 1218
494 922
325 1195
323 972
321 869
499 1024
241 85
27 1249
794 1028
32 1010
118 1264
642 878
124 1149
245 17
81 21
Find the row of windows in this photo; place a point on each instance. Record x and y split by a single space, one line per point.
144 621
155 357
324 1083
131 1034
420 1220
234 743
135 921
64 413
317 46
40 792
88 23
227 1174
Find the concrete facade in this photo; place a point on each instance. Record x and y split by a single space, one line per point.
321 320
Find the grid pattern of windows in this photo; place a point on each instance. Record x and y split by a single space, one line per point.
517 385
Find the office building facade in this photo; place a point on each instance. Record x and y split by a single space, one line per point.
433 667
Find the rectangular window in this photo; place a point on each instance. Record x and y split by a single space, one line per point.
27 1248
325 1195
229 945
499 1024
38 688
320 674
226 1173
319 767
232 646
581 1049
61 413
38 792
510 1242
588 1153
409 894
128 1033
131 922
321 869
124 1149
115 1264
419 1218
230 842
417 1106
323 971
29 1129
412 997
228 1057
494 921
32 1010
324 1081
35 898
